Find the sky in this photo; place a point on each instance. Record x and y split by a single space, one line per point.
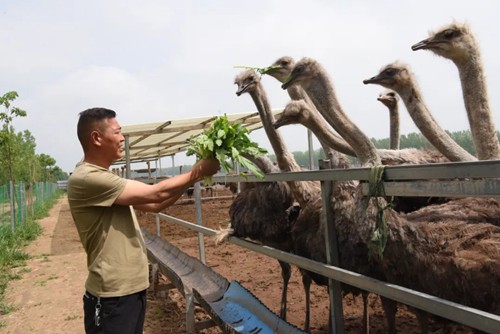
158 60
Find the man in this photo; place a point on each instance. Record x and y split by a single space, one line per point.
101 205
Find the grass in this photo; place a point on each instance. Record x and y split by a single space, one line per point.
12 245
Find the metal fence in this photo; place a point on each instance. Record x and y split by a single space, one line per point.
474 179
20 201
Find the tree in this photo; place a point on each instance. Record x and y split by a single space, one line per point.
7 139
47 163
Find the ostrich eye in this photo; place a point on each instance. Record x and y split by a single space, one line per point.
449 33
391 94
390 72
298 69
283 63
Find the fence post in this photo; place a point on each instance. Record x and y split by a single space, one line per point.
22 203
12 206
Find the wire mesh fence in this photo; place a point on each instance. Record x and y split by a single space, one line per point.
20 201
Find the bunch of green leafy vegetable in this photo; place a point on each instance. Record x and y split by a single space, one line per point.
228 143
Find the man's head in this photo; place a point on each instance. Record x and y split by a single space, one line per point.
99 133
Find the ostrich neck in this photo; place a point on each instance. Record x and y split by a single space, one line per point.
322 94
284 158
325 134
429 127
394 127
476 102
302 190
318 126
297 93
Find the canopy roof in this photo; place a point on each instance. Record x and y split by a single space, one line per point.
150 141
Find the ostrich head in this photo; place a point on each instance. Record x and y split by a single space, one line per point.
281 68
454 41
389 98
246 81
294 113
394 76
305 69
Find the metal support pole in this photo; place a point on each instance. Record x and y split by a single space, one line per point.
332 254
311 149
197 201
158 226
173 165
128 173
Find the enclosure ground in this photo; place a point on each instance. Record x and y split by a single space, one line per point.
47 297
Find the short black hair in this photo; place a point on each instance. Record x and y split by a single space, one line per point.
88 118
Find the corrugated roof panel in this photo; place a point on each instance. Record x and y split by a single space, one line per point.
154 140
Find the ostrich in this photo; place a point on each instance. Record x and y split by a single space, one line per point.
457 42
268 220
249 82
399 77
464 257
390 100
308 242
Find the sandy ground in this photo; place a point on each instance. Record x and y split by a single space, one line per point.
48 296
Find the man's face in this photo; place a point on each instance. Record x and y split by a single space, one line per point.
111 139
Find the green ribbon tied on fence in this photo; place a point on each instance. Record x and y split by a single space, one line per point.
378 239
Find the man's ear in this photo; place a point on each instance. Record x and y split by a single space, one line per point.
95 138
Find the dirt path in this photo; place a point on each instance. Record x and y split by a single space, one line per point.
47 298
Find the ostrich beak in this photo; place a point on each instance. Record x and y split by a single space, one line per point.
372 80
241 90
422 45
279 122
288 82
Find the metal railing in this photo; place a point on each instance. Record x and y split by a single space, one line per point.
467 179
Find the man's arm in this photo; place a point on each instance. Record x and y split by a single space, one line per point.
158 196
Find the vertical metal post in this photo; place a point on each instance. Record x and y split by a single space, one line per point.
173 164
128 173
12 206
158 225
197 202
311 149
332 254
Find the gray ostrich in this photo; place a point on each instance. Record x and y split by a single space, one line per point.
464 257
457 42
269 228
390 99
399 77
267 220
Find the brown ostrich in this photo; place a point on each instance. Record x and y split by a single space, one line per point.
308 242
425 257
399 77
268 219
457 42
390 99
246 208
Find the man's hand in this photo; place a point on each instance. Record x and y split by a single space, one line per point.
205 167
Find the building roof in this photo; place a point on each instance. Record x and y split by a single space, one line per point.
150 141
